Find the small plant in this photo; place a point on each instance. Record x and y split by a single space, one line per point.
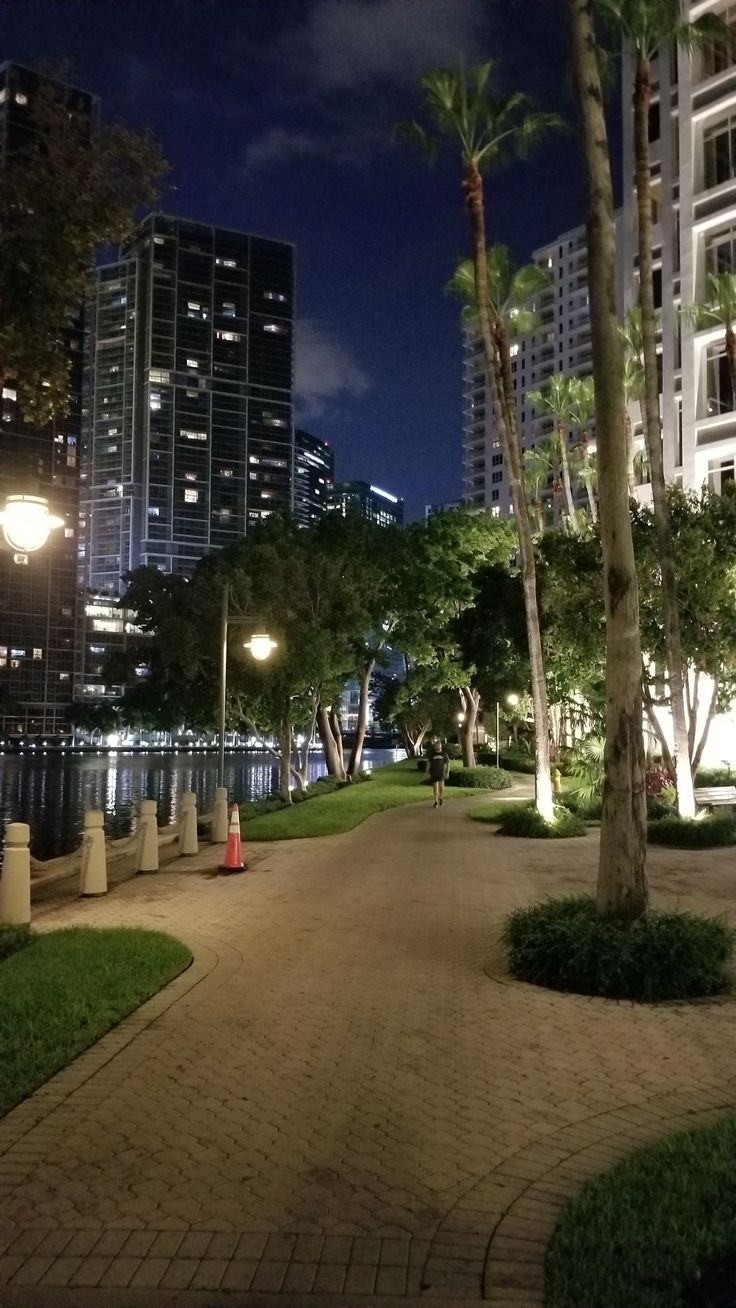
698 833
563 944
589 811
586 769
524 820
656 780
13 938
480 778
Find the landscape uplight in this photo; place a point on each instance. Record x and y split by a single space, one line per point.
27 523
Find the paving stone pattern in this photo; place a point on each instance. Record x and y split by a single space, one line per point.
345 1100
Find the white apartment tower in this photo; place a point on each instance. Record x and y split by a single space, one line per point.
560 342
692 129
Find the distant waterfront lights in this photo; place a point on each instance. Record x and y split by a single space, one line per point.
27 523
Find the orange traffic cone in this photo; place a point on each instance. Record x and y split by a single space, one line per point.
233 852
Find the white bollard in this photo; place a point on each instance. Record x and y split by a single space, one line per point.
220 817
188 843
15 879
147 851
93 880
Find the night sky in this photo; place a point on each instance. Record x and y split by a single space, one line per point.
277 116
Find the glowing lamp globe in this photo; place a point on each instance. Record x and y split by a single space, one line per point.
512 699
27 523
260 646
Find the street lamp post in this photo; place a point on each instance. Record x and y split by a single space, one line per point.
260 646
512 700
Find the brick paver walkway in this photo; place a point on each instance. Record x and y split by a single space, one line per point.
345 1100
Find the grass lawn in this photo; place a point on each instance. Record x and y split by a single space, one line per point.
327 815
641 1234
65 989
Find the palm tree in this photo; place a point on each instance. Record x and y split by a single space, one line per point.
555 398
487 130
622 887
719 310
651 26
582 411
541 462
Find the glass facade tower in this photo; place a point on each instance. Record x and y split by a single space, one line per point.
189 424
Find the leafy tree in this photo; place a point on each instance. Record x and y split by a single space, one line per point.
70 187
416 707
622 888
437 583
582 411
652 26
555 399
487 130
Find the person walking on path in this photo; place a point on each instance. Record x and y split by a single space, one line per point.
439 768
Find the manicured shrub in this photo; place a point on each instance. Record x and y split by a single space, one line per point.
480 778
563 944
13 938
724 776
686 833
518 820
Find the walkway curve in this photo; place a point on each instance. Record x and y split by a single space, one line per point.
335 1104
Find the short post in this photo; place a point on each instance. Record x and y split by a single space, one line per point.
15 879
93 880
218 830
147 851
188 843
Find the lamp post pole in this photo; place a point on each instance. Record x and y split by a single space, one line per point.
498 734
260 647
223 682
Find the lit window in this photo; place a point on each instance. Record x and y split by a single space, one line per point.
38 653
191 496
15 663
63 676
274 327
191 435
224 514
9 393
514 350
228 309
228 336
226 472
192 304
110 449
158 240
226 263
154 512
274 295
69 533
268 421
192 363
17 653
190 476
159 375
21 558
21 97
3 651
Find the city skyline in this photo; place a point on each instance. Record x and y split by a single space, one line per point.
375 353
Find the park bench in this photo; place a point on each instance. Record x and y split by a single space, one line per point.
716 796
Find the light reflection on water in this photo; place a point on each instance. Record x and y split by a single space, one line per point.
51 792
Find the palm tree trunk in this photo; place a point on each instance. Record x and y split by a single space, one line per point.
498 369
566 479
361 727
629 432
665 544
622 887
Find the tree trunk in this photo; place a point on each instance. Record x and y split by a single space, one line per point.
301 771
709 716
622 887
566 480
665 544
286 741
588 476
498 369
471 703
336 729
362 723
324 731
